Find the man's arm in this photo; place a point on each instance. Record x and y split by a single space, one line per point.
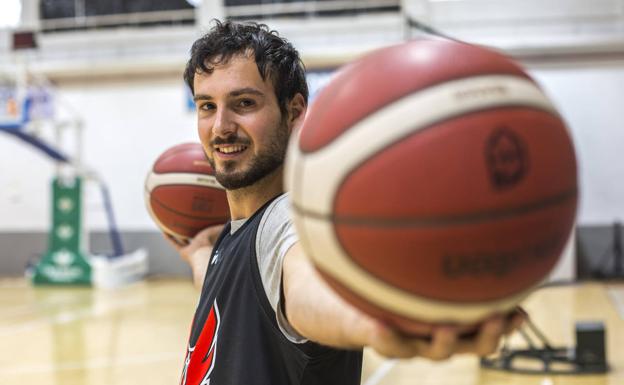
318 314
197 252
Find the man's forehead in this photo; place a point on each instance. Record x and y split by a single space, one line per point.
222 60
239 68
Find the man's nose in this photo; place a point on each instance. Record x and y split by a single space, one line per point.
223 125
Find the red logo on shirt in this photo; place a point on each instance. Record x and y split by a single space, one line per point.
200 358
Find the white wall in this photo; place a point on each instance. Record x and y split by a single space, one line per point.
24 181
591 100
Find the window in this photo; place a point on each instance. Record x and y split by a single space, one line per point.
59 15
260 9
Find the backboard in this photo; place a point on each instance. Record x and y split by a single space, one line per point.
12 101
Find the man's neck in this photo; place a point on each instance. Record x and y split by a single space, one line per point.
247 200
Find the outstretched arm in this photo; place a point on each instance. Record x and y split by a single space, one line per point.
318 314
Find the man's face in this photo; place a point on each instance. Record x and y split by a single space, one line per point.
239 121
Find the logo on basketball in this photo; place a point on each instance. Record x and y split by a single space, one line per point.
506 158
202 204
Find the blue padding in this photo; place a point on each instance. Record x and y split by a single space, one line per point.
10 127
113 231
16 129
47 149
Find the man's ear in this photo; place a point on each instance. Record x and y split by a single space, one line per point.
296 111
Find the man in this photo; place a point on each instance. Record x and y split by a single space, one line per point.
265 316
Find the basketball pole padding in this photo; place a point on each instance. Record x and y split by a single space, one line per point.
64 262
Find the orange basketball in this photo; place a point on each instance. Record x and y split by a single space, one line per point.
182 193
433 182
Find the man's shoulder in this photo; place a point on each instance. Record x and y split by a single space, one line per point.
277 213
281 203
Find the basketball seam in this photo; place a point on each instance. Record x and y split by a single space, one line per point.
155 180
152 198
183 148
161 225
445 220
410 94
460 311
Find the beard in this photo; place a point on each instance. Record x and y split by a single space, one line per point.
259 166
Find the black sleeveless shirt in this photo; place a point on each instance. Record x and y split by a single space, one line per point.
235 339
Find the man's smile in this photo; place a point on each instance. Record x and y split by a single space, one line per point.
229 151
230 148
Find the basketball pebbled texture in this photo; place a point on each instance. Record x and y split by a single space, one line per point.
433 181
182 194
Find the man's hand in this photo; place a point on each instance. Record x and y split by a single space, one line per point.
196 252
445 341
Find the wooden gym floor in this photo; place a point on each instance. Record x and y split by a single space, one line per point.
137 335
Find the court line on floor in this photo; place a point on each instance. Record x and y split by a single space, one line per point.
381 372
617 296
17 311
38 308
97 363
66 316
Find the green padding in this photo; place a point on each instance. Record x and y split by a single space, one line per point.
64 262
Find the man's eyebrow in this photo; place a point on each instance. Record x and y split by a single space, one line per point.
201 97
246 90
237 92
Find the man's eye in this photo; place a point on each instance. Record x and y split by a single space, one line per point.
246 103
206 106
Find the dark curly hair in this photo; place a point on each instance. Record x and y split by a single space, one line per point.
275 57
